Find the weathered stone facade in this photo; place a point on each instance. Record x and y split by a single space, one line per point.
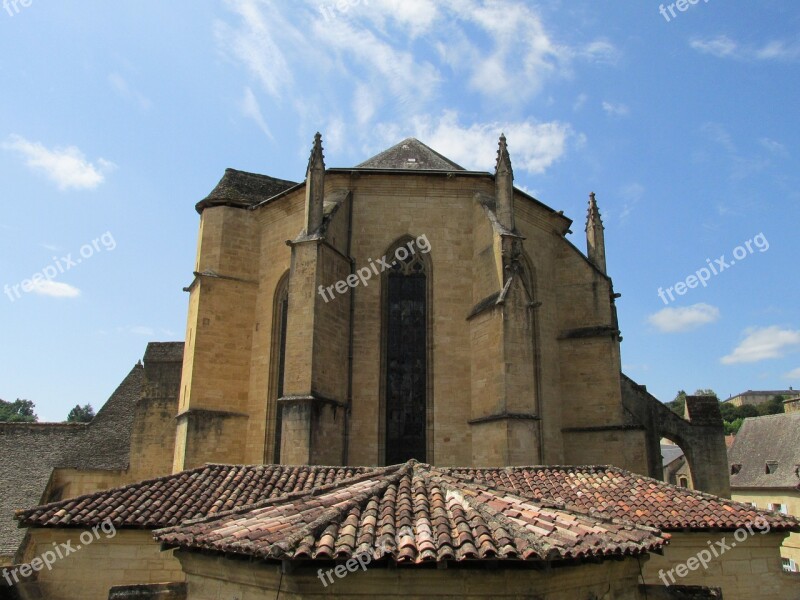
523 361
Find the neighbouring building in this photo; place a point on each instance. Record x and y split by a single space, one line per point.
420 368
676 468
759 397
765 471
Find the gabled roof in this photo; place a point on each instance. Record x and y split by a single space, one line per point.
410 154
606 492
242 190
413 513
772 438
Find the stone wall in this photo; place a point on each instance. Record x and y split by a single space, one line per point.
745 570
211 578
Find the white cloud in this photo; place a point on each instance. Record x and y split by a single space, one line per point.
256 44
762 344
722 46
772 146
67 167
251 109
122 87
793 374
675 320
631 194
533 146
55 289
579 102
616 110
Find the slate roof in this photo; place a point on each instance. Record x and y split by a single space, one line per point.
242 190
606 492
670 452
164 352
30 451
413 513
762 439
410 154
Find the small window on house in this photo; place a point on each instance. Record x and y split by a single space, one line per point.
789 565
735 468
781 508
771 467
683 482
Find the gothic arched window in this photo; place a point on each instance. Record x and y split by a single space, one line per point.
280 310
406 389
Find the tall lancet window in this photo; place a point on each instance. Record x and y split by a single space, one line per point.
280 312
406 403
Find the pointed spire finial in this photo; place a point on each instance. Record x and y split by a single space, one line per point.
317 159
595 239
503 158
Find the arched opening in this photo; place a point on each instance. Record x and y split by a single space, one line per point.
406 407
280 310
675 463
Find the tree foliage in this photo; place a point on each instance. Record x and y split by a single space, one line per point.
733 416
19 411
81 414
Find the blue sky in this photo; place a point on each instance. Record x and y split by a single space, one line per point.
115 118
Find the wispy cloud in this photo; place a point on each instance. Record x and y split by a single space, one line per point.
762 344
399 57
616 110
66 167
678 320
251 109
55 289
793 374
123 88
723 46
631 195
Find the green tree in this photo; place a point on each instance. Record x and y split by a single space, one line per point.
773 406
678 405
733 426
706 392
19 411
81 414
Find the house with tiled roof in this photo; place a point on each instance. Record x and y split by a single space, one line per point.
765 471
432 334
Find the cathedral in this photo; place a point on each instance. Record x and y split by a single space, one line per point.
398 379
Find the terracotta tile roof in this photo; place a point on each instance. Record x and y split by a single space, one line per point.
186 495
600 491
621 494
413 513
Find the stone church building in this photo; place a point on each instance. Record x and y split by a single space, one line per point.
387 363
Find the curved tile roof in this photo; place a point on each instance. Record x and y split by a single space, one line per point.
595 491
414 514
